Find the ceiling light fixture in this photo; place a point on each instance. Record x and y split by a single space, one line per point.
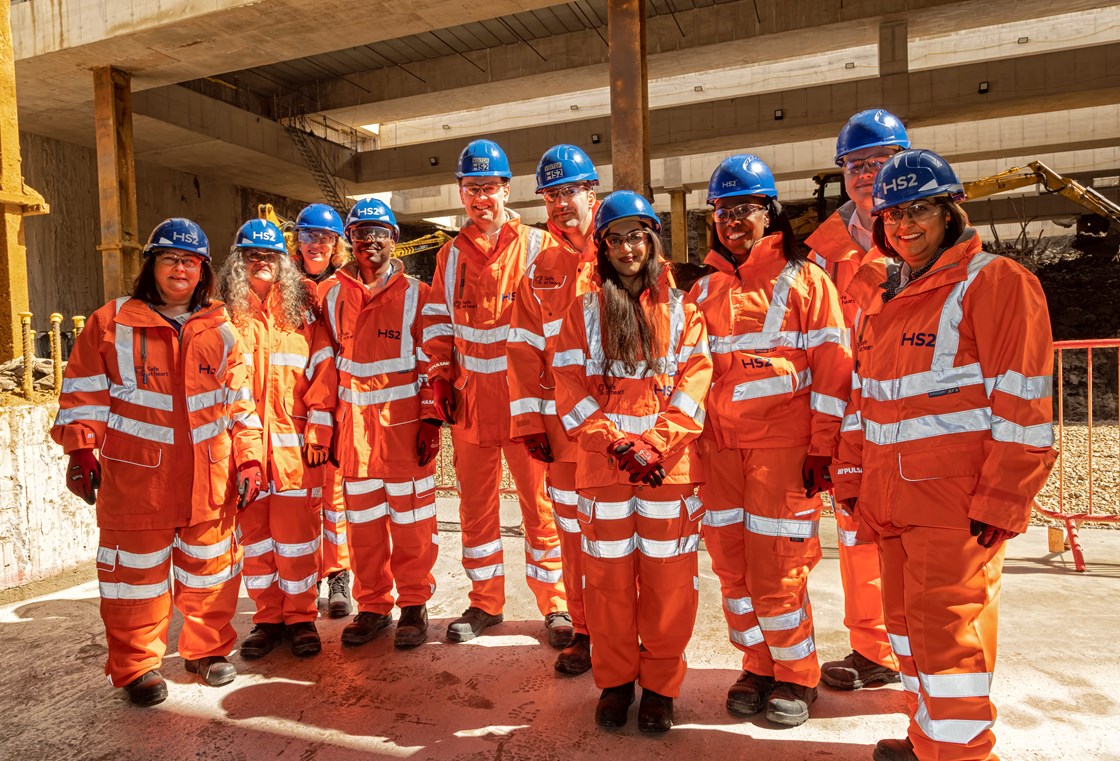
778 115
433 160
983 88
574 107
1023 40
595 138
850 65
698 88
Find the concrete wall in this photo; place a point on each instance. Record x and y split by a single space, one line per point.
44 529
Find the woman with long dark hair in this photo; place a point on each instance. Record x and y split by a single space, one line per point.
782 372
632 370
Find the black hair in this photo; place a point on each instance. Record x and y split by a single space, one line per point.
144 287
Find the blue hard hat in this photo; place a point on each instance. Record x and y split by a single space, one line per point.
870 129
743 174
373 211
483 158
910 175
624 204
564 164
319 216
180 234
260 233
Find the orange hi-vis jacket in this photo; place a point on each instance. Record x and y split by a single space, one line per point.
781 352
466 321
282 373
666 407
855 272
165 409
376 380
951 411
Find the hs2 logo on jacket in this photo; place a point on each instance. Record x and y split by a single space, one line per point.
919 339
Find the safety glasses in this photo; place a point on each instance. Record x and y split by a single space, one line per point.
489 189
871 165
918 211
313 237
256 256
567 192
371 235
633 239
740 212
187 261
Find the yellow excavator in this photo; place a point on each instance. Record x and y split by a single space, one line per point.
404 248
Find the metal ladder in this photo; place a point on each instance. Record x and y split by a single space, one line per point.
332 188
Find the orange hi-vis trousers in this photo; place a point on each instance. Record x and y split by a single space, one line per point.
562 490
335 551
762 534
479 471
393 540
134 569
281 533
941 595
863 591
641 586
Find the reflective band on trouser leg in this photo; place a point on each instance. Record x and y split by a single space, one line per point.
893 563
863 593
335 550
562 490
367 518
479 470
132 572
543 570
782 547
412 523
296 545
952 617
207 568
259 567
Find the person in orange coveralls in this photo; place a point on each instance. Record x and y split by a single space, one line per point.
841 245
466 325
567 179
632 370
282 530
157 383
782 373
946 440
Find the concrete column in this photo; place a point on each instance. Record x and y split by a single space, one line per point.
16 201
894 67
678 210
626 34
116 180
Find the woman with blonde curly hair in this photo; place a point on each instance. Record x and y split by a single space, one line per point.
281 530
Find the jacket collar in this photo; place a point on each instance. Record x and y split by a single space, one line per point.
832 240
140 314
951 268
765 252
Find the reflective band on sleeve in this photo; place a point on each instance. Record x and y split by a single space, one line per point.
486 572
483 366
206 581
609 549
153 400
635 424
203 551
228 342
821 336
298 587
213 398
483 550
570 358
802 649
1041 435
117 590
286 439
247 419
701 287
749 638
318 357
369 514
721 518
526 406
439 330
207 431
784 622
738 605
297 549
320 417
330 306
287 359
86 385
484 336
378 396
526 336
1016 384
364 486
787 527
580 413
827 405
928 426
976 685
688 406
959 731
435 309
852 422
146 431
899 643
542 575
779 384
94 413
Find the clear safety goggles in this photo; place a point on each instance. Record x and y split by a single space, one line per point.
312 237
259 256
633 239
187 261
371 235
740 212
567 192
919 211
869 165
489 189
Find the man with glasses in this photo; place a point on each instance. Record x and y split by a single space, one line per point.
840 246
466 325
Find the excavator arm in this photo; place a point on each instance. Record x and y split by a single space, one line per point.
1037 173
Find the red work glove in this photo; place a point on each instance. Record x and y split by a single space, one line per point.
988 535
83 475
538 446
815 475
248 483
315 454
444 400
641 460
427 441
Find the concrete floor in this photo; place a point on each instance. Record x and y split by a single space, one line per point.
498 697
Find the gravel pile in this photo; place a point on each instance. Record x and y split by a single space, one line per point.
42 374
1073 468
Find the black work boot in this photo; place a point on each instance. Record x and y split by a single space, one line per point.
894 750
364 627
789 703
856 672
261 640
214 670
147 689
655 712
412 627
470 624
576 657
614 703
749 693
338 587
304 639
560 631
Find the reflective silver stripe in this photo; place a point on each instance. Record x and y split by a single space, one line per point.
140 397
669 548
370 514
435 309
261 582
548 407
721 518
408 319
609 549
899 643
909 683
788 527
240 395
820 336
802 649
85 385
702 286
330 307
400 488
663 510
1013 383
116 590
424 484
920 384
636 424
137 559
318 357
827 405
438 330
450 272
126 363
567 525
580 413
525 336
536 556
483 366
205 581
287 359
338 538
749 638
247 419
977 685
483 550
298 587
847 538
379 367
207 431
147 431
788 339
563 496
852 422
203 551
228 341
526 406
738 605
928 426
552 328
688 406
334 516
256 549
613 511
365 486
1041 435
409 517
536 240
779 384
820 260
486 336
320 417
486 572
676 329
779 298
378 396
959 731
569 358
196 402
784 622
540 574
297 549
286 439
952 312
91 412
